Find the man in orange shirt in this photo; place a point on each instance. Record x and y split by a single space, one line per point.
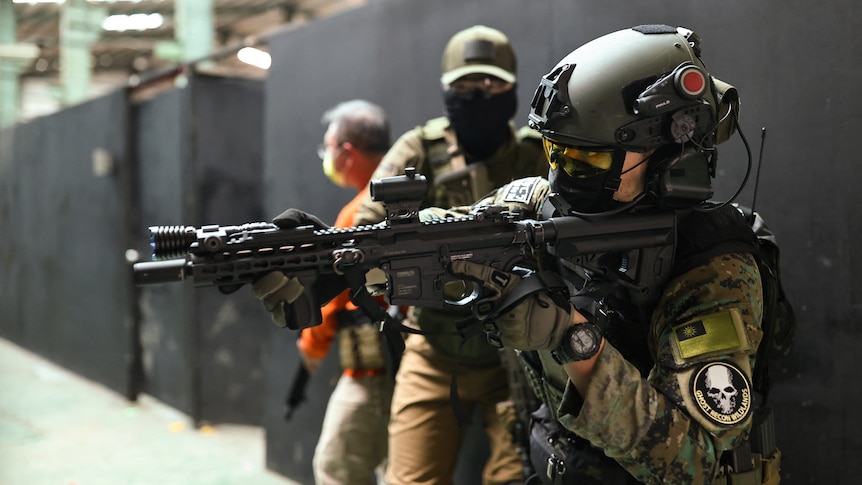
353 438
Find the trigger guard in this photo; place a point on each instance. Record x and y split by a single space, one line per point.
472 297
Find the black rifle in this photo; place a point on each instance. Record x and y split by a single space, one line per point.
414 255
296 394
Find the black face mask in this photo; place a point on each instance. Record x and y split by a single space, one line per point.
481 123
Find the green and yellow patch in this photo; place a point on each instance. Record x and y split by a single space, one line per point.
711 335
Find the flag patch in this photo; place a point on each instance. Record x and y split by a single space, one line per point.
709 335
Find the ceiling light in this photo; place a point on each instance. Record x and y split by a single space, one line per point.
255 57
135 21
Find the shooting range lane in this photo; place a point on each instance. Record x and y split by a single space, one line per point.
59 428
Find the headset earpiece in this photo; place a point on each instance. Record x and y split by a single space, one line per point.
682 179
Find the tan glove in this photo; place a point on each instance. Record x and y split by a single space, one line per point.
278 293
536 322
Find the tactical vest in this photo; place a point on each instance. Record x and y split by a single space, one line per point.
360 343
455 181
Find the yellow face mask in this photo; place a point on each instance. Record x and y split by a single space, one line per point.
329 169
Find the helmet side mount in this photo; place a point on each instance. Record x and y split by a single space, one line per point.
550 100
679 126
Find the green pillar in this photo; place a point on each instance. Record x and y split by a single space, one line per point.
80 27
194 28
13 58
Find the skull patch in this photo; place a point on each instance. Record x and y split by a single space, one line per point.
722 393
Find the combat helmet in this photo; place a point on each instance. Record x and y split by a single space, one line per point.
637 89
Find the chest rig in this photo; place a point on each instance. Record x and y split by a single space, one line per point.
456 180
453 181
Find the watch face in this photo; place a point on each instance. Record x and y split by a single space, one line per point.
584 341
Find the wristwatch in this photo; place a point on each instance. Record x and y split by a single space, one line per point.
581 341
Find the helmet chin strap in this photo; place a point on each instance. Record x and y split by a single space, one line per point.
563 207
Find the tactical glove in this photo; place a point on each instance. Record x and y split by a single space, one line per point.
278 294
536 321
290 303
292 218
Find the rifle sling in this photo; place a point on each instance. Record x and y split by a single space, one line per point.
548 281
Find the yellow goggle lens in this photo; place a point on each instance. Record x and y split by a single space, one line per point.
577 162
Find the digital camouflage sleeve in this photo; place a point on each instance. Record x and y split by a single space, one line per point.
697 400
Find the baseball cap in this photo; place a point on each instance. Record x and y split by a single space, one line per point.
478 49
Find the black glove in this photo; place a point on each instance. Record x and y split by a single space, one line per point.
538 321
296 218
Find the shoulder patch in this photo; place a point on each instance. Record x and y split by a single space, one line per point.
722 393
709 336
434 129
520 190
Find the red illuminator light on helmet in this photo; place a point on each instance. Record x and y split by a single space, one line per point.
672 91
690 82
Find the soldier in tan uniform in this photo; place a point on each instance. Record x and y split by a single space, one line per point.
464 156
643 358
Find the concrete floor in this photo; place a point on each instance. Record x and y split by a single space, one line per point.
57 428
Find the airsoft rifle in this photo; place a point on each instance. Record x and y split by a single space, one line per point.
413 254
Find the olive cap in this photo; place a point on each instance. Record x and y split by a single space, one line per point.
478 49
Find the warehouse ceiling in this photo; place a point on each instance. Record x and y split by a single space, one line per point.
133 52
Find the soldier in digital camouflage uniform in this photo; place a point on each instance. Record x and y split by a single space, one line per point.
645 356
464 156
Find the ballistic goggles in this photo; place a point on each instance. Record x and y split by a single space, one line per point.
578 162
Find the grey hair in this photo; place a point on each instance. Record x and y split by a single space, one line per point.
361 123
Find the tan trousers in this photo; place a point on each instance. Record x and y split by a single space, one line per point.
424 436
352 442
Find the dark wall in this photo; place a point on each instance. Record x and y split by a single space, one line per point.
795 66
199 153
64 283
191 155
162 150
232 329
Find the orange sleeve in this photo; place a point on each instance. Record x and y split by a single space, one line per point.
316 341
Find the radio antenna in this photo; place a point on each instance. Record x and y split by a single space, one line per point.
759 165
